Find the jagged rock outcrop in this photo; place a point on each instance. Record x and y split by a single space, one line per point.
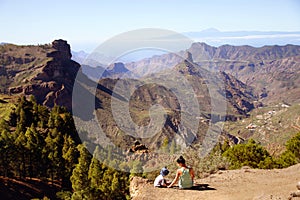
189 56
45 71
138 147
115 70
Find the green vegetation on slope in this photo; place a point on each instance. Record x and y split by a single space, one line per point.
41 143
21 63
271 126
250 154
6 105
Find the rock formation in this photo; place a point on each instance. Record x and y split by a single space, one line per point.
45 71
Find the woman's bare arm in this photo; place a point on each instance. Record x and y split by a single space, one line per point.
192 173
175 179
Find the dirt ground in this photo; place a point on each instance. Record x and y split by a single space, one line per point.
243 184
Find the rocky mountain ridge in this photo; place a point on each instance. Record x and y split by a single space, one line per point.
271 70
48 73
45 71
239 99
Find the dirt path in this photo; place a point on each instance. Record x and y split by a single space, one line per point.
241 184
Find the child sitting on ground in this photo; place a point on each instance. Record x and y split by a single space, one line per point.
160 181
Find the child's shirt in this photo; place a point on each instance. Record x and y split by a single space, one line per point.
159 181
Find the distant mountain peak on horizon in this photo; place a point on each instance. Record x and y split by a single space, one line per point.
254 38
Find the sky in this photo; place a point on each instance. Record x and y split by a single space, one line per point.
85 24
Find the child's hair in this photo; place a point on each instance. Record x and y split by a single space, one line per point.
181 160
164 171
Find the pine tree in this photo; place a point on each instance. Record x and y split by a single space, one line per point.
95 175
43 116
79 178
6 151
21 151
68 126
54 144
35 115
21 124
106 184
34 144
114 184
120 185
13 117
70 156
24 112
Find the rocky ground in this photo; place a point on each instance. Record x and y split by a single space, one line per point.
243 184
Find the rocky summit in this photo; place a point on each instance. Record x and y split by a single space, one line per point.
45 71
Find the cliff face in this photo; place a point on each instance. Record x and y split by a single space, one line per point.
45 71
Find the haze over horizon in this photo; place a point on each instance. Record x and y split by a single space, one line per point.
85 25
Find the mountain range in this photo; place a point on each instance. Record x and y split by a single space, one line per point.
271 70
217 38
244 77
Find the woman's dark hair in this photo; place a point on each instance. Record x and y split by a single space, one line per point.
181 160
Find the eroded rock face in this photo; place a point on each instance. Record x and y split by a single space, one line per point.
59 74
63 50
50 76
240 95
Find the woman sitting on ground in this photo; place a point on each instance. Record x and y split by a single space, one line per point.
184 174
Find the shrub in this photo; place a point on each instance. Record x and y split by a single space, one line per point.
286 159
293 145
212 163
206 165
249 154
292 154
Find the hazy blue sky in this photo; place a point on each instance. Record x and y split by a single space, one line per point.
85 23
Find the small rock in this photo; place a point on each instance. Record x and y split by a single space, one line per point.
246 168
